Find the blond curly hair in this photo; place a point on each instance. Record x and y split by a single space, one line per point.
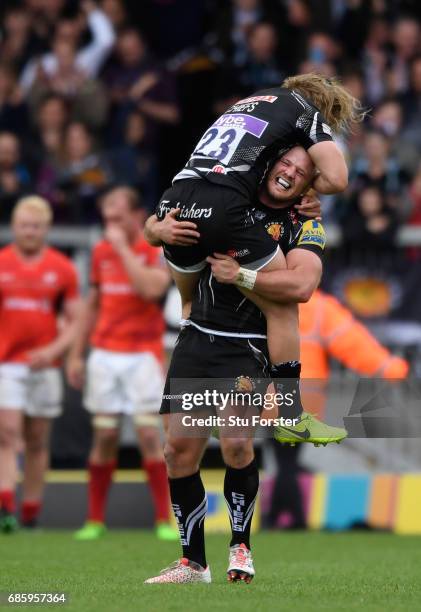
338 106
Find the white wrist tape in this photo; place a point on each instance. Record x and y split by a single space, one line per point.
246 278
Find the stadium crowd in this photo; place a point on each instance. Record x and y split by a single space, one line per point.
98 93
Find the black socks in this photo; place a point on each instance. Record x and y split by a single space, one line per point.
286 378
190 504
240 490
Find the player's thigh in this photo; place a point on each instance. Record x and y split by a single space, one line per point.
103 394
188 367
143 383
13 397
14 381
244 370
45 394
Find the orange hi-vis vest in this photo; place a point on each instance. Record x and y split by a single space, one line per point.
328 329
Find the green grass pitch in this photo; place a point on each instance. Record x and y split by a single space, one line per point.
295 571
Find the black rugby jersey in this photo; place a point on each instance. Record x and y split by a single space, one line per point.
222 308
235 151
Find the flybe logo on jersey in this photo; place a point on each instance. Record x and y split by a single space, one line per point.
249 124
312 233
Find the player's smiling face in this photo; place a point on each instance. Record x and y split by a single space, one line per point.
290 175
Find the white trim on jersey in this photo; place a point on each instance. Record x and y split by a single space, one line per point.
218 332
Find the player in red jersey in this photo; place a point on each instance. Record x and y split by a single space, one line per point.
122 320
38 304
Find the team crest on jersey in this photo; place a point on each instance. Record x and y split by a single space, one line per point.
244 384
312 233
275 229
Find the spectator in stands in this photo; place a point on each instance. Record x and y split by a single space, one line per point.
322 49
13 112
134 163
15 42
232 27
86 95
376 167
407 44
298 24
50 124
14 176
116 12
374 60
76 176
411 105
370 225
88 60
387 117
84 172
261 68
415 193
135 80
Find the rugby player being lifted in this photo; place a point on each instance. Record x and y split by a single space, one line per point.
218 187
225 337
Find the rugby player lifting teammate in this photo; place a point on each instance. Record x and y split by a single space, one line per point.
217 187
225 337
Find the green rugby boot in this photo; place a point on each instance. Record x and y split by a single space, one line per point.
8 522
92 530
309 430
166 533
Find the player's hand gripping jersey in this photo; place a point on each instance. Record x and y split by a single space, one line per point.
222 309
218 186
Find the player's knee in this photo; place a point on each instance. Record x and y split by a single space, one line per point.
150 441
172 453
105 439
178 456
237 452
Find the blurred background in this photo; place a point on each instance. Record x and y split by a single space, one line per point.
94 94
